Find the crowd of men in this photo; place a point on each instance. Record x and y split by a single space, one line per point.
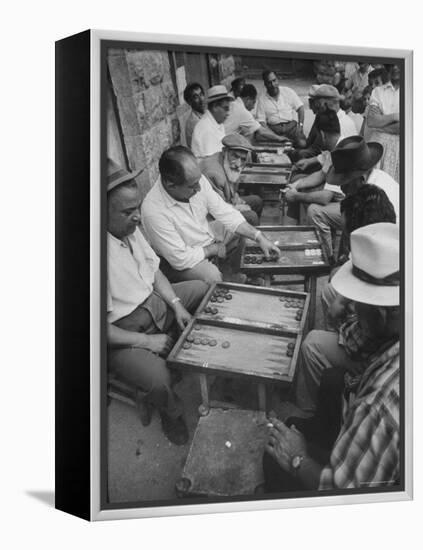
193 220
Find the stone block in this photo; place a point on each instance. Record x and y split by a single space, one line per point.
153 173
140 111
144 183
136 153
154 105
128 116
155 141
119 74
169 96
146 67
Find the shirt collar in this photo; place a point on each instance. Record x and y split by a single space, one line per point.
168 201
213 120
274 98
118 242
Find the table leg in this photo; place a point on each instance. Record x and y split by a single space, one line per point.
310 286
262 396
204 387
267 279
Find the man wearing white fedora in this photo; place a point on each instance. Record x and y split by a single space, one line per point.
366 450
209 130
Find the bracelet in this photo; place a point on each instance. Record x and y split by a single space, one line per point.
257 235
175 300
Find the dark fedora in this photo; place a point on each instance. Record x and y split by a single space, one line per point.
116 175
351 158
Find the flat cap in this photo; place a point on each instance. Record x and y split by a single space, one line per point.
326 90
236 141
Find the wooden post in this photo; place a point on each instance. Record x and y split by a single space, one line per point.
205 406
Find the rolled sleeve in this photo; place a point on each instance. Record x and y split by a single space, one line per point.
167 242
295 100
221 210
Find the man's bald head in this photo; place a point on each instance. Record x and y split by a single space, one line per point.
180 173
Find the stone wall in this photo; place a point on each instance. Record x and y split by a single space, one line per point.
146 102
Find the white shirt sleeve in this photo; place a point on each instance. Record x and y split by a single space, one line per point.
167 242
221 210
261 113
196 146
375 99
338 195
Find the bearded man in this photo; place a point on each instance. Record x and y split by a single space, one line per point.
223 171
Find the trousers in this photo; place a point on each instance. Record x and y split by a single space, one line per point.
141 367
320 351
324 218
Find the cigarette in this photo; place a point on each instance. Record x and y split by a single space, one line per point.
269 425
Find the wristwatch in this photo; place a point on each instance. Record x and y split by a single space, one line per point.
296 462
175 300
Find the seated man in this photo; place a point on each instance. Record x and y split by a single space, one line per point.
194 96
278 107
366 450
325 97
328 127
142 308
223 170
209 131
241 120
353 162
237 85
175 216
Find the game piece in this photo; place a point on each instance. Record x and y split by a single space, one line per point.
225 344
212 299
219 299
228 297
197 327
186 345
281 298
214 310
204 341
291 345
259 261
213 342
289 353
197 341
287 304
207 309
228 444
190 338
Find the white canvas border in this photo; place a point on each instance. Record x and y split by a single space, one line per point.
95 305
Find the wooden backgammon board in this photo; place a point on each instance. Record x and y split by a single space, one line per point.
243 330
301 252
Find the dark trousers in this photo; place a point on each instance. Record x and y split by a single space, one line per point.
290 130
320 432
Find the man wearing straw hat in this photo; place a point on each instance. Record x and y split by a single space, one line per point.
366 450
143 308
209 131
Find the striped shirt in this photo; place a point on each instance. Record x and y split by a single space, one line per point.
366 453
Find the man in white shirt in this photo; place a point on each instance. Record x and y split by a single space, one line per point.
279 107
194 96
176 214
209 131
143 308
241 120
353 165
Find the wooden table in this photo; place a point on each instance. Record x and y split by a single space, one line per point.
256 333
301 254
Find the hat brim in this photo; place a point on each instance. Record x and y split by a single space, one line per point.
219 97
353 288
124 179
342 178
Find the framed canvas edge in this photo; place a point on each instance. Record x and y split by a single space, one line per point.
97 513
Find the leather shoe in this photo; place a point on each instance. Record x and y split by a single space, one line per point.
175 429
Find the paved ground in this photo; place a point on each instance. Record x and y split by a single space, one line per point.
143 465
